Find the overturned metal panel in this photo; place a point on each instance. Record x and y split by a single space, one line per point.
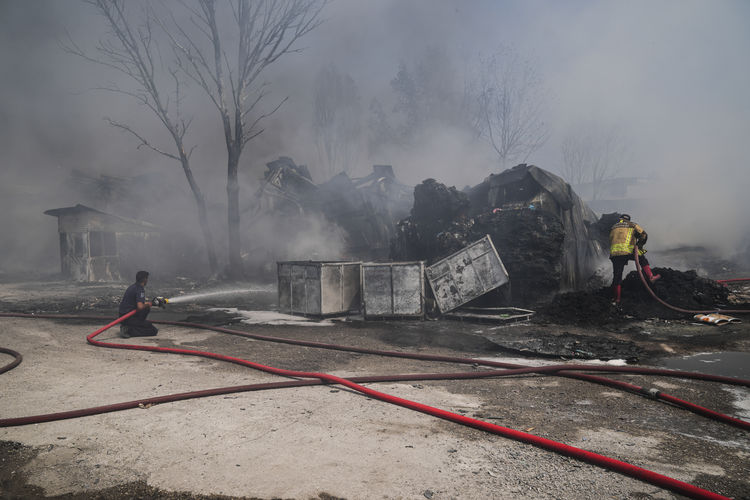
491 314
319 288
393 289
466 275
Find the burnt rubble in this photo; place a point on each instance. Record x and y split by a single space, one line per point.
550 243
539 226
685 290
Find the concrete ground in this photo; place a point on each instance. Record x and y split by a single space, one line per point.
323 442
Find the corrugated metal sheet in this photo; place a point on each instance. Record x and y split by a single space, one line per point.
466 275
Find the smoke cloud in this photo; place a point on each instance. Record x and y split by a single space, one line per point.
671 74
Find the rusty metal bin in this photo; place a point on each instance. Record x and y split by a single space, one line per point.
319 288
466 275
392 289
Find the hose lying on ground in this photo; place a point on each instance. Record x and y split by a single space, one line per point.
511 369
734 280
12 364
679 309
596 459
50 417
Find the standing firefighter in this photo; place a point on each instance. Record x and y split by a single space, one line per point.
622 240
135 298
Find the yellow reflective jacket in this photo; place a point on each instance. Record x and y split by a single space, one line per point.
624 236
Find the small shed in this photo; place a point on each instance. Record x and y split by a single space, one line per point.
91 242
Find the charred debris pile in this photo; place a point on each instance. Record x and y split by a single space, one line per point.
540 227
685 290
549 240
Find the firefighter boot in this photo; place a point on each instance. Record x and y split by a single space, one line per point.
650 275
616 294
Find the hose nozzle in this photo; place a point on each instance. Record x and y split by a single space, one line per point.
159 302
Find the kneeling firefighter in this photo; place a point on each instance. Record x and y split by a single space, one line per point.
622 240
135 298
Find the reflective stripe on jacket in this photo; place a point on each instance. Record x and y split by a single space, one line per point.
623 237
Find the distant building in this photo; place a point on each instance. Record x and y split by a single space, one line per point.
97 246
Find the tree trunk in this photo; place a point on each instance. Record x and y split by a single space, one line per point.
233 217
202 217
208 238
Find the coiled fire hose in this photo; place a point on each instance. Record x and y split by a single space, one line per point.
593 458
679 309
12 364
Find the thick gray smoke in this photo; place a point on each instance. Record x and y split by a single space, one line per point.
671 75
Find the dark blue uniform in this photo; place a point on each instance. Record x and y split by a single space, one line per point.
137 324
134 294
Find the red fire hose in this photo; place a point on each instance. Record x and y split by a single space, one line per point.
50 417
13 363
511 369
734 280
678 309
596 459
571 451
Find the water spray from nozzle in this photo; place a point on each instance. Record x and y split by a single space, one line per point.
195 297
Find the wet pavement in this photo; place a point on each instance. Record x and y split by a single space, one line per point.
728 364
63 457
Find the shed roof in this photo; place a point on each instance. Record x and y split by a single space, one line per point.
122 224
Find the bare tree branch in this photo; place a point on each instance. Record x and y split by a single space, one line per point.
247 137
144 142
507 100
594 153
264 31
132 50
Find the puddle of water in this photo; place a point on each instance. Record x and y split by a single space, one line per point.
728 364
273 318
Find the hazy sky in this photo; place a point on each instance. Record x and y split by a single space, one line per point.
673 74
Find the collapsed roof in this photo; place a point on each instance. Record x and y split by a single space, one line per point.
366 208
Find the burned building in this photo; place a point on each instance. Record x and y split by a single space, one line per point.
539 226
365 208
532 188
286 188
97 246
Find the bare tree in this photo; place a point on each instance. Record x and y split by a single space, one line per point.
426 95
595 153
132 50
337 120
263 31
505 102
576 161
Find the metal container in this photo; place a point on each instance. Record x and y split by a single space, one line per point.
318 288
393 289
466 275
